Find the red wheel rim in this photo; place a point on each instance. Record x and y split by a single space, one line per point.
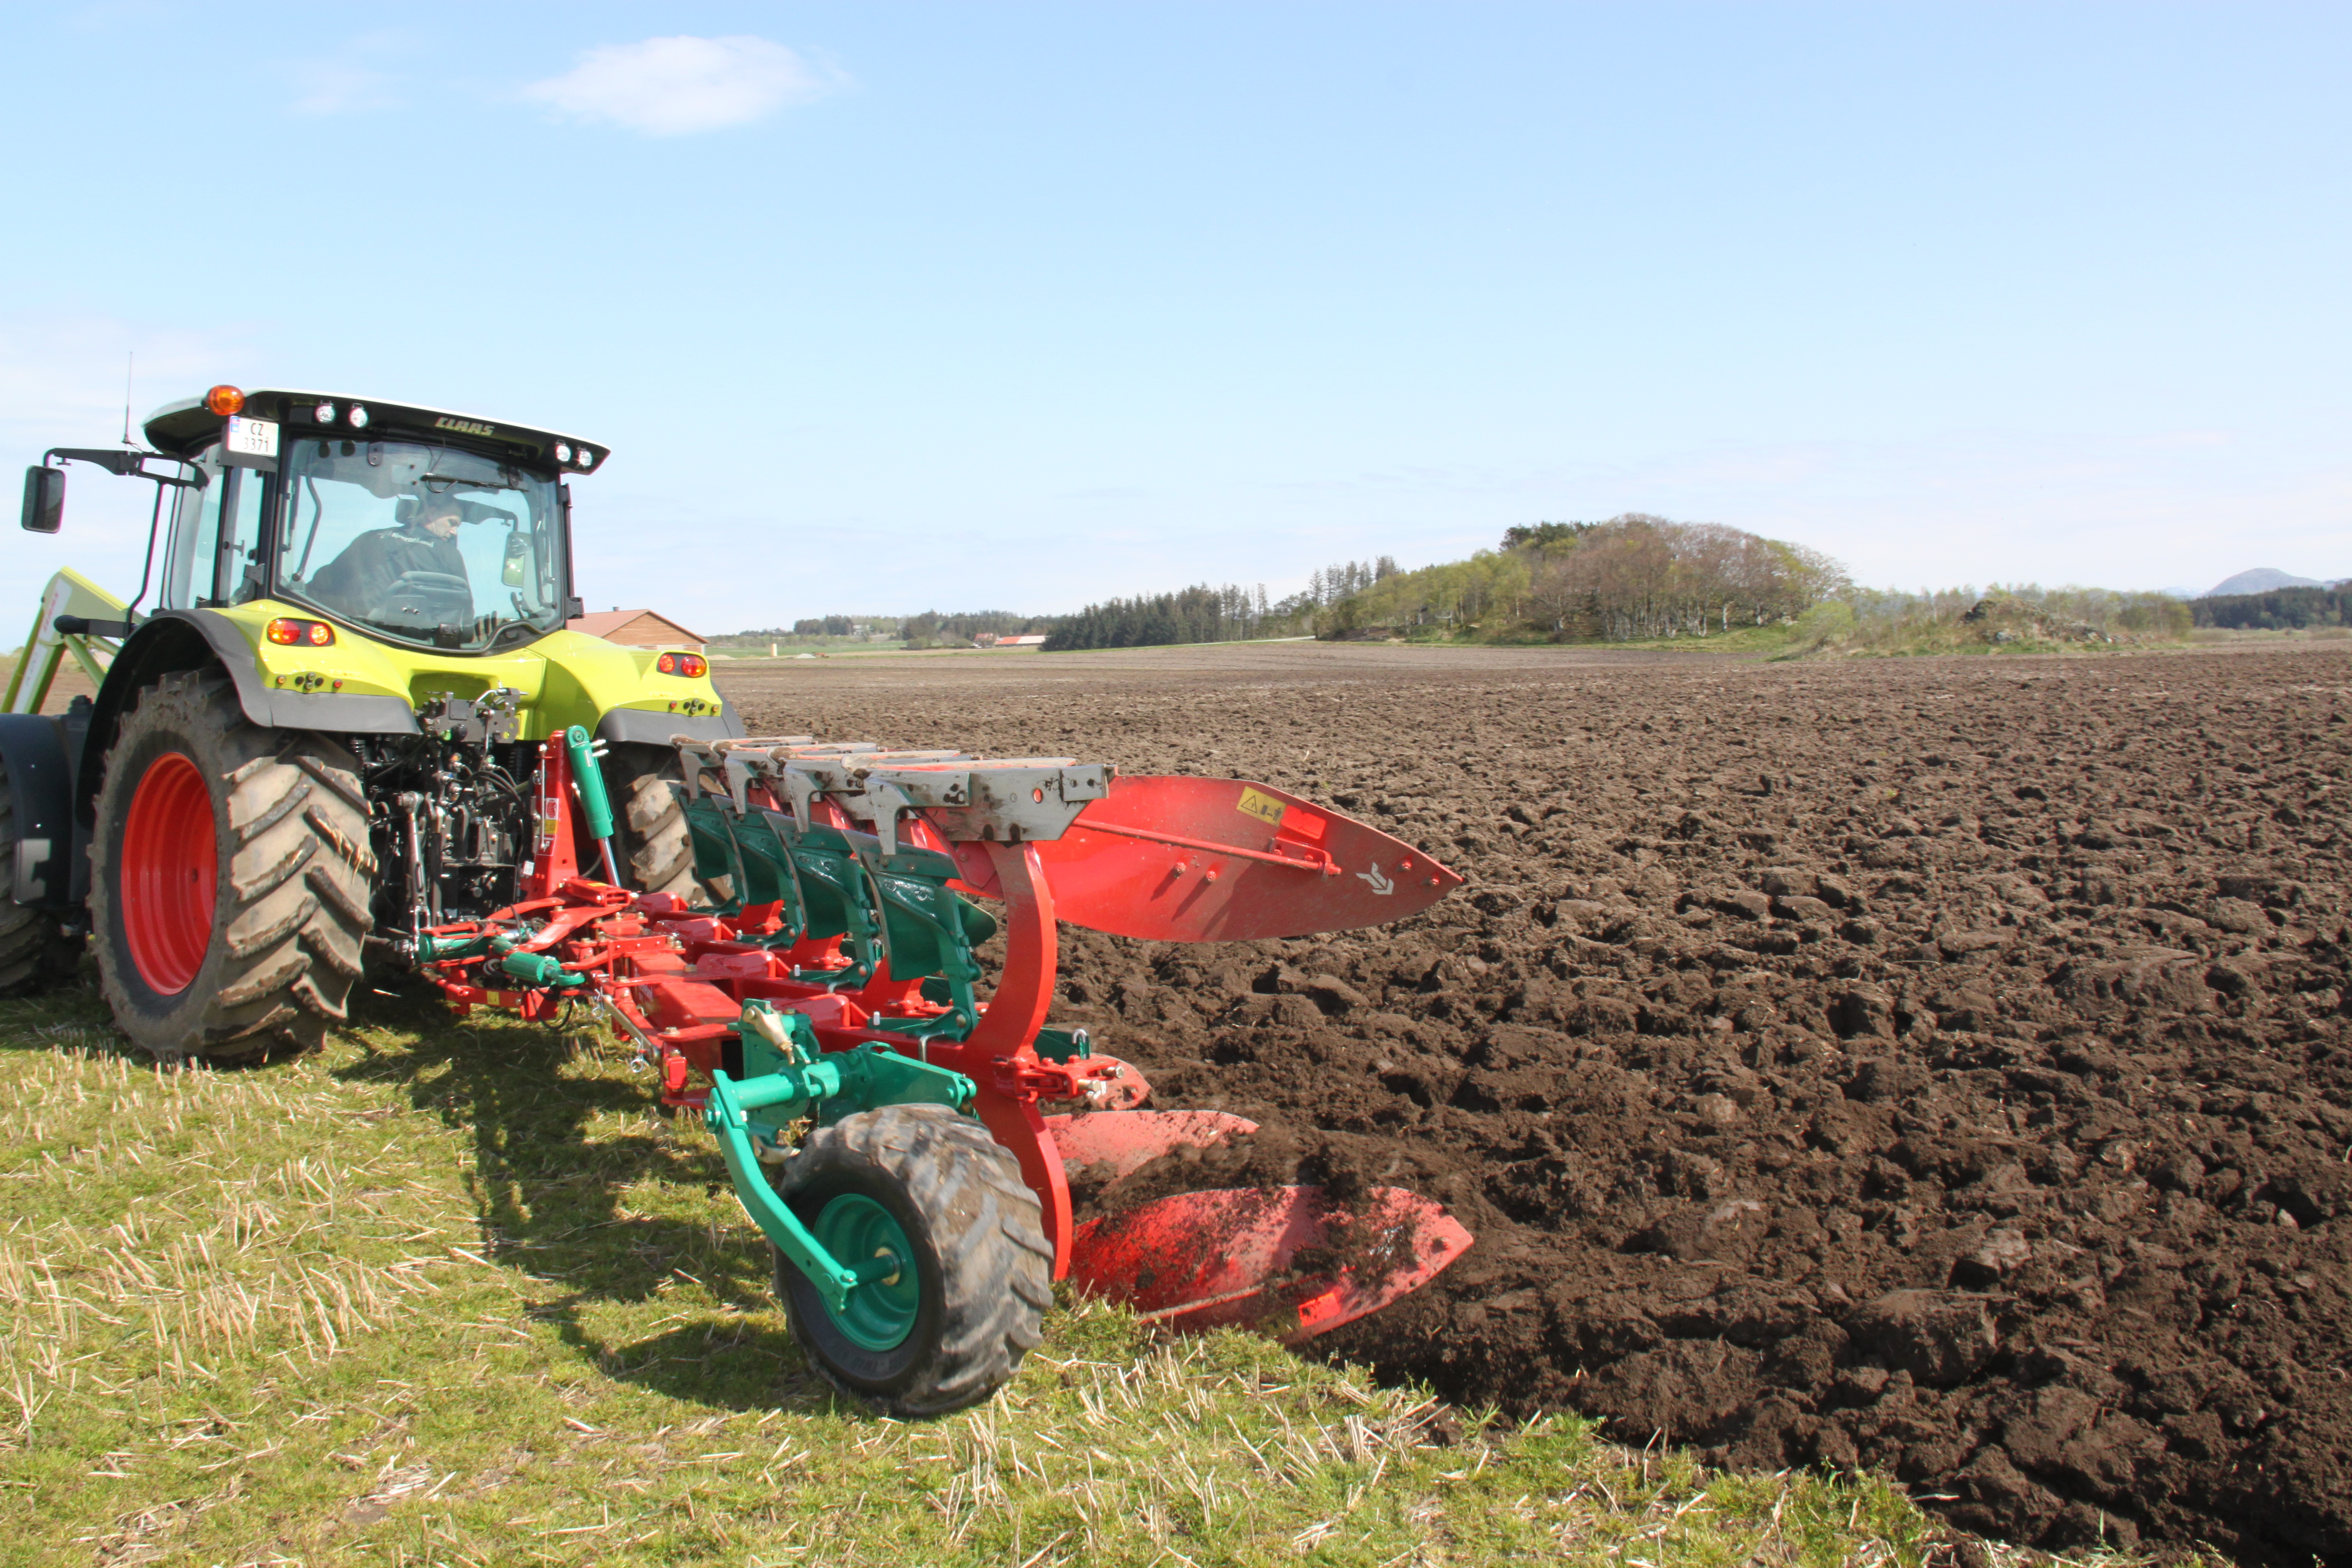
170 868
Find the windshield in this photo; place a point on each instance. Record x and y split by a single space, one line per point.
426 544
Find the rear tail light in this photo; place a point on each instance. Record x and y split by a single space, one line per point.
693 666
287 632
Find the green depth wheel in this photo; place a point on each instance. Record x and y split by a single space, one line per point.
931 1211
881 1311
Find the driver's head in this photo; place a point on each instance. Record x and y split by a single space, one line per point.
439 516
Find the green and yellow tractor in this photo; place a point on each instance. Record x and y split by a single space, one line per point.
320 737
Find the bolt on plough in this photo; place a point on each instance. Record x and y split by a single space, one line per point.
905 1144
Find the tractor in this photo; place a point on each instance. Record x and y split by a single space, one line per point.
321 738
355 731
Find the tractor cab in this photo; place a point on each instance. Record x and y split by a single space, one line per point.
413 525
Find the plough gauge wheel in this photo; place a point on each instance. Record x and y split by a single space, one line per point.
926 1190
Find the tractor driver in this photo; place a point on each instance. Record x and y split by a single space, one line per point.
364 580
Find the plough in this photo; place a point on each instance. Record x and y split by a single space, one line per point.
903 1131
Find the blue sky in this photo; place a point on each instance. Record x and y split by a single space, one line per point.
892 307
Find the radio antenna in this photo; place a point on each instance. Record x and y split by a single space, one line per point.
127 361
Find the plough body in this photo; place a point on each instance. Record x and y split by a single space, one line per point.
839 978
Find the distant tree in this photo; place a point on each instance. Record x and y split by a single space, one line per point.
1635 576
1546 535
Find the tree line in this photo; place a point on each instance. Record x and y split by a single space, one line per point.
1198 614
2279 609
929 629
1632 577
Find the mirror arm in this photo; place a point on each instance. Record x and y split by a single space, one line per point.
127 464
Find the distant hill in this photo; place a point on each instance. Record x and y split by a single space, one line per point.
2261 580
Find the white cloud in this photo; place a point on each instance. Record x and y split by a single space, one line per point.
671 87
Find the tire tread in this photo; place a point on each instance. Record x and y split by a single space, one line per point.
289 920
997 1270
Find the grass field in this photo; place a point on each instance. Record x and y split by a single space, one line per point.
455 1294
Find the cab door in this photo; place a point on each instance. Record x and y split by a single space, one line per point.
207 565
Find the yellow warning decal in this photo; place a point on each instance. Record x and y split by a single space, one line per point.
1264 807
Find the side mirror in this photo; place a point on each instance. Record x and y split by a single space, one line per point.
45 498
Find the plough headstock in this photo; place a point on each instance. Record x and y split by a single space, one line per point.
851 871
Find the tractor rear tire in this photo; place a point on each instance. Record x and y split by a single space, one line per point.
649 833
230 876
36 955
934 1189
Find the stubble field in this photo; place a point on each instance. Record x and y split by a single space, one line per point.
1932 1066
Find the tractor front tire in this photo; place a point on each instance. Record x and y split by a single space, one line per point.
935 1192
230 876
36 955
649 832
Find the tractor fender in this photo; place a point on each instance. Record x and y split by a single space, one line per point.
38 751
643 727
172 640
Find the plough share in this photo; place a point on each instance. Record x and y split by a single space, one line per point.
903 1133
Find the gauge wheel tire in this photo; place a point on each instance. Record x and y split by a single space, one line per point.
36 955
970 1302
649 830
230 876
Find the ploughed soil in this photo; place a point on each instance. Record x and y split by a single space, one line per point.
1938 1067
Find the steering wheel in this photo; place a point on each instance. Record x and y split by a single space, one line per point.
439 597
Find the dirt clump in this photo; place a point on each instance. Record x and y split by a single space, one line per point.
1935 1066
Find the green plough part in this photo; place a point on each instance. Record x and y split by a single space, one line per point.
589 780
930 931
431 949
530 968
828 883
771 877
836 900
539 969
787 1076
709 827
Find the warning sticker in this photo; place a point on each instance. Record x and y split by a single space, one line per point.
1264 807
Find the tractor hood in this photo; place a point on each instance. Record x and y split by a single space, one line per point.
187 426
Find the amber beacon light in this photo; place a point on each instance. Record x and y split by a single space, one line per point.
225 399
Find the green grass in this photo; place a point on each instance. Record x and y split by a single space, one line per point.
452 1294
1755 641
